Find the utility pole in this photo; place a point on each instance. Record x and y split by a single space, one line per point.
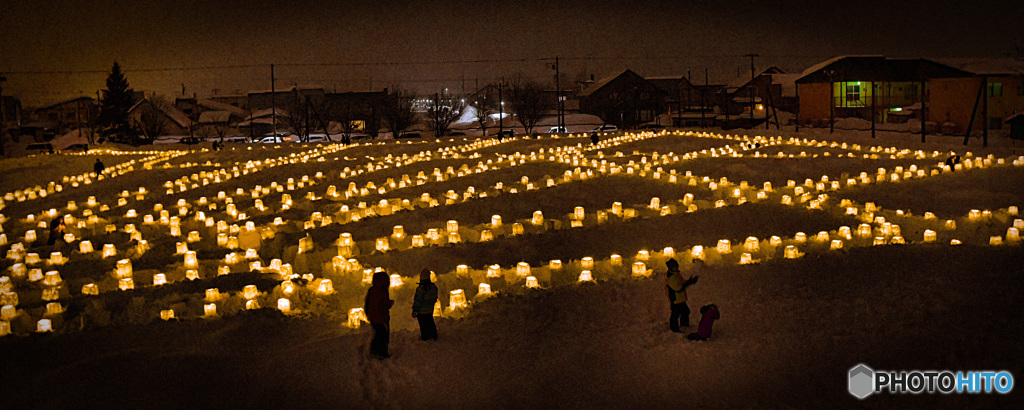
3 117
704 98
273 107
984 112
501 109
753 89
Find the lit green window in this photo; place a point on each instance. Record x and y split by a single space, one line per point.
995 89
852 93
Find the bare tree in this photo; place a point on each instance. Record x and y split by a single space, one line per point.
442 112
347 115
397 112
153 122
484 106
297 115
528 102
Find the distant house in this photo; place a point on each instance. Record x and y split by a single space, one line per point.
688 104
746 94
362 108
74 113
960 102
626 100
158 119
1016 122
206 111
10 111
857 86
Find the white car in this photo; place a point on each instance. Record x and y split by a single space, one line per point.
317 138
557 130
605 128
275 139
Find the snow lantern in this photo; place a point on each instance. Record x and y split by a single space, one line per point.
531 282
751 244
555 264
668 252
493 271
486 235
210 309
159 279
538 218
8 312
43 326
193 236
32 258
697 252
578 213
836 244
109 250
587 262
929 235
724 247
746 258
462 270
800 237
398 232
124 268
615 260
382 244
56 258
517 228
35 275
974 215
284 305
495 221
585 276
995 240
950 224
191 262
457 300
878 241
287 287
5 328
396 280
30 236
639 269
90 289
655 203
192 274
1012 235
484 289
167 314
617 208
791 252
356 316
522 269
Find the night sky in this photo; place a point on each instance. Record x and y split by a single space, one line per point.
58 49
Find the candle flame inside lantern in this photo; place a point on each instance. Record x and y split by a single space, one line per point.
724 246
356 317
639 269
457 300
929 235
284 305
531 282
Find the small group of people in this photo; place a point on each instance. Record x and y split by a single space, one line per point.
676 286
378 305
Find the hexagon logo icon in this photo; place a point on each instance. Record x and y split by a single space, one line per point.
861 377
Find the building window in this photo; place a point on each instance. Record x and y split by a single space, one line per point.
852 93
995 89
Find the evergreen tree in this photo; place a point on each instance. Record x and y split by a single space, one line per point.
117 100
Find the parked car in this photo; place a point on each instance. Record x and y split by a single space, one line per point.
605 128
236 140
190 140
318 138
40 148
506 134
76 148
557 130
275 139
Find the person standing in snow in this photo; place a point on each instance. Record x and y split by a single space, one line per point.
377 307
98 167
675 286
56 231
423 306
594 139
708 315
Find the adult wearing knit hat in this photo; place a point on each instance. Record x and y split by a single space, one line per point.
423 306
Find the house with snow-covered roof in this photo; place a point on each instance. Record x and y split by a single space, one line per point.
158 119
988 99
874 88
625 99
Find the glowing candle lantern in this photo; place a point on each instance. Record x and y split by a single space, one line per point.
791 252
382 244
191 262
639 269
531 282
210 309
578 213
864 230
484 289
615 259
995 240
751 244
193 274
31 258
746 259
495 221
522 269
181 247
326 287
538 218
5 328
724 246
697 252
124 268
125 284
668 252
517 229
396 280
56 258
493 271
929 235
1012 235
655 203
457 300
90 289
462 270
30 236
159 279
822 236
167 314
8 312
844 231
356 316
586 276
836 244
43 326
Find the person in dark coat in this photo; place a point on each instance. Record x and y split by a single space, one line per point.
708 315
98 166
594 138
377 305
952 161
423 306
56 231
675 286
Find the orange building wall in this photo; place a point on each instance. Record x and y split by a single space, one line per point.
814 102
952 99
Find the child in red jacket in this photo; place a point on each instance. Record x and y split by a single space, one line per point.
708 315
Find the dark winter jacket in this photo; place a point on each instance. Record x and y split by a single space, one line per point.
378 301
426 297
676 286
708 315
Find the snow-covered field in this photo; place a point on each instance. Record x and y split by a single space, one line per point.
822 252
